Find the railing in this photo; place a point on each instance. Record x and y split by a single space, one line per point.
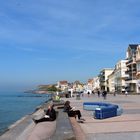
131 61
127 79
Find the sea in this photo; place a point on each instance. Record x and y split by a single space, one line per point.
15 105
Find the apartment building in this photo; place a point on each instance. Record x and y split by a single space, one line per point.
120 75
96 85
90 84
110 83
138 68
103 76
131 81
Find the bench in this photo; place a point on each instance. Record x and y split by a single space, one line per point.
63 128
102 110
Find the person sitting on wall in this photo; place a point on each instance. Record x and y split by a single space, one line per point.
50 115
71 111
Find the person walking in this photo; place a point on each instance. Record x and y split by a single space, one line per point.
126 93
88 93
98 92
104 94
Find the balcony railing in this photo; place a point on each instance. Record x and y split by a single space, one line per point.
128 78
131 61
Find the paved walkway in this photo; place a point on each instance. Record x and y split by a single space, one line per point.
126 126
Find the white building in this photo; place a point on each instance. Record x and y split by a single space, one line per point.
63 85
90 84
110 83
120 76
103 76
96 84
131 81
138 69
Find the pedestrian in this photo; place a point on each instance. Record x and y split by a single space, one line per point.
98 92
126 93
104 94
88 93
114 93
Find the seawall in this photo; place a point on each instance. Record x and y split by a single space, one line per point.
22 128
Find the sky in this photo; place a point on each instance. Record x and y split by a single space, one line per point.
45 41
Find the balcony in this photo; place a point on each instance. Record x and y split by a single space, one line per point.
138 59
102 80
125 76
131 69
131 61
128 79
131 81
138 73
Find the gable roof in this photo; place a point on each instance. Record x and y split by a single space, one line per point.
133 46
90 81
132 49
63 82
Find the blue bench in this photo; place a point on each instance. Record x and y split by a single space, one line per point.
102 110
90 107
119 111
93 105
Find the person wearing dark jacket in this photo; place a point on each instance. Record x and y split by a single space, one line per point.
50 115
104 94
71 112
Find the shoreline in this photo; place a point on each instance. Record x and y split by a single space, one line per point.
26 117
14 124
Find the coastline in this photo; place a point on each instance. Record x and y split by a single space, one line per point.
20 127
17 105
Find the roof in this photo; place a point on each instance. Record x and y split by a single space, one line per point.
133 46
90 80
63 82
77 82
107 69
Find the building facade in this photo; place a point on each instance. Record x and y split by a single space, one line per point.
110 83
131 81
103 76
120 76
138 69
78 86
90 84
96 85
63 85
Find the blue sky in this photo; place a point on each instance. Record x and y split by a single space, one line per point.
44 41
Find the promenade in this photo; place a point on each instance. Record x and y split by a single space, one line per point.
124 127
